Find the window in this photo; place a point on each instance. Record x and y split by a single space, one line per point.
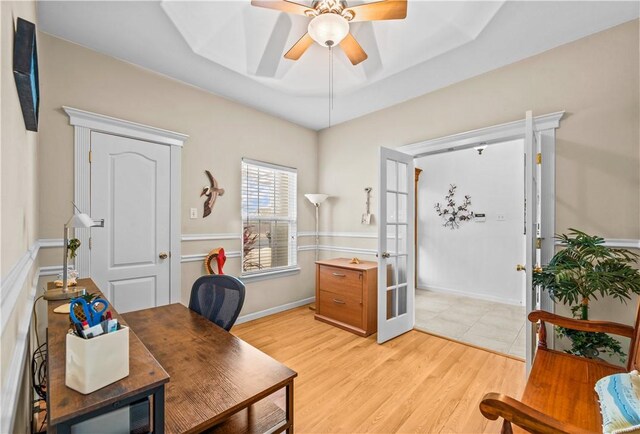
269 213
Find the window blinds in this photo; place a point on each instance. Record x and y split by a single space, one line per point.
269 214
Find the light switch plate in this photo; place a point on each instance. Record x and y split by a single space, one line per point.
193 213
500 217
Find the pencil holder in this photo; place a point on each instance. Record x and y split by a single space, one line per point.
92 364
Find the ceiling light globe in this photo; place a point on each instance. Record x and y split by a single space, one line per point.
328 29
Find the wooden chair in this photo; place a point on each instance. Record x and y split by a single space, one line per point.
559 396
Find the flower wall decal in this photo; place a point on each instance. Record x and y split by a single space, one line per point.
454 214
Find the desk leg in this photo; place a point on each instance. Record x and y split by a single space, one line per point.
158 410
289 388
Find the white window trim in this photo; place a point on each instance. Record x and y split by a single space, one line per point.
273 272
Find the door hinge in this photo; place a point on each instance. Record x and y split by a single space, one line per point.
90 243
538 243
539 158
89 157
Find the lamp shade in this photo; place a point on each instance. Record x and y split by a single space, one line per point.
80 220
316 198
328 29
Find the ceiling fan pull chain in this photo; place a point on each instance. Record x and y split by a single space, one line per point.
330 84
332 79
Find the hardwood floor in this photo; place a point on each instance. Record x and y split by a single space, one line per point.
414 383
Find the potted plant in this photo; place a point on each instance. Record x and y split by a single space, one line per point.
584 270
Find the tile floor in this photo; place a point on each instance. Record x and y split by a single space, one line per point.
495 326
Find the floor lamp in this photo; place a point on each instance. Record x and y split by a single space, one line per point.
316 199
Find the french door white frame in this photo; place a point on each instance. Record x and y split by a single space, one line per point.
544 127
84 123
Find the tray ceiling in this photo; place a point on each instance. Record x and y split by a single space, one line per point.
235 50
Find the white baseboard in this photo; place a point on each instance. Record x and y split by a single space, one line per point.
261 314
512 301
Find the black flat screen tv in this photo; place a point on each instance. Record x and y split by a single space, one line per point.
25 72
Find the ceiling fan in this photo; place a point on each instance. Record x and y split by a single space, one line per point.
329 25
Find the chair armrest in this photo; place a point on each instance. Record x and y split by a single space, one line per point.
582 324
495 405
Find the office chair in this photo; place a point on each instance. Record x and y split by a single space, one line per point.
219 298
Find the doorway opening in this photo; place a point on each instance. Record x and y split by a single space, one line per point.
467 285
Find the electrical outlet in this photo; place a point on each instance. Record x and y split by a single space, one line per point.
193 213
500 217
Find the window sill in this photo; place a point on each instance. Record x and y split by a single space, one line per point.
273 274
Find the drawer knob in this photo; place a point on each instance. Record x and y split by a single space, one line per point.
335 300
339 275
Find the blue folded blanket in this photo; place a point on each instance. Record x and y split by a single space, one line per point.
619 396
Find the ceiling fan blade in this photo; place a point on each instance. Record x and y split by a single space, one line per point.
352 49
380 10
299 47
283 6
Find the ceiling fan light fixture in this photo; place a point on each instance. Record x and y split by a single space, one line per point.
328 29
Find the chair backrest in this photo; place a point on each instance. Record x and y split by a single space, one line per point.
219 298
634 350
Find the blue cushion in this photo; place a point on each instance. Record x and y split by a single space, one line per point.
619 396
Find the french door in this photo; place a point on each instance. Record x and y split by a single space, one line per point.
533 229
396 290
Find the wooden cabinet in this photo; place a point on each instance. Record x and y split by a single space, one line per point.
346 295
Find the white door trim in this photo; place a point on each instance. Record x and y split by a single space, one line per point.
84 123
497 133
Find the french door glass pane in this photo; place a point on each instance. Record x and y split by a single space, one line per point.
391 271
392 175
391 207
402 239
402 269
401 212
402 177
402 299
392 308
392 244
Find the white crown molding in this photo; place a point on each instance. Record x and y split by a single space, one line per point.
502 132
98 122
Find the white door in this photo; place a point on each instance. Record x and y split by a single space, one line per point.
130 182
396 291
533 196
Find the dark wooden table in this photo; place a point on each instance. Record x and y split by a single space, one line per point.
65 406
218 382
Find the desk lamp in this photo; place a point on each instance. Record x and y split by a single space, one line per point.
78 220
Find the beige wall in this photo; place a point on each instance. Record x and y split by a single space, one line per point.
221 133
595 79
18 204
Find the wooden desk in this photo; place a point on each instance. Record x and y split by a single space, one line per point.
65 406
217 380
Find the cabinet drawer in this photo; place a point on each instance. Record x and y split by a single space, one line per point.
347 283
340 308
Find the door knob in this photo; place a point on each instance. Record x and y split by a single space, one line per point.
520 267
386 255
163 255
